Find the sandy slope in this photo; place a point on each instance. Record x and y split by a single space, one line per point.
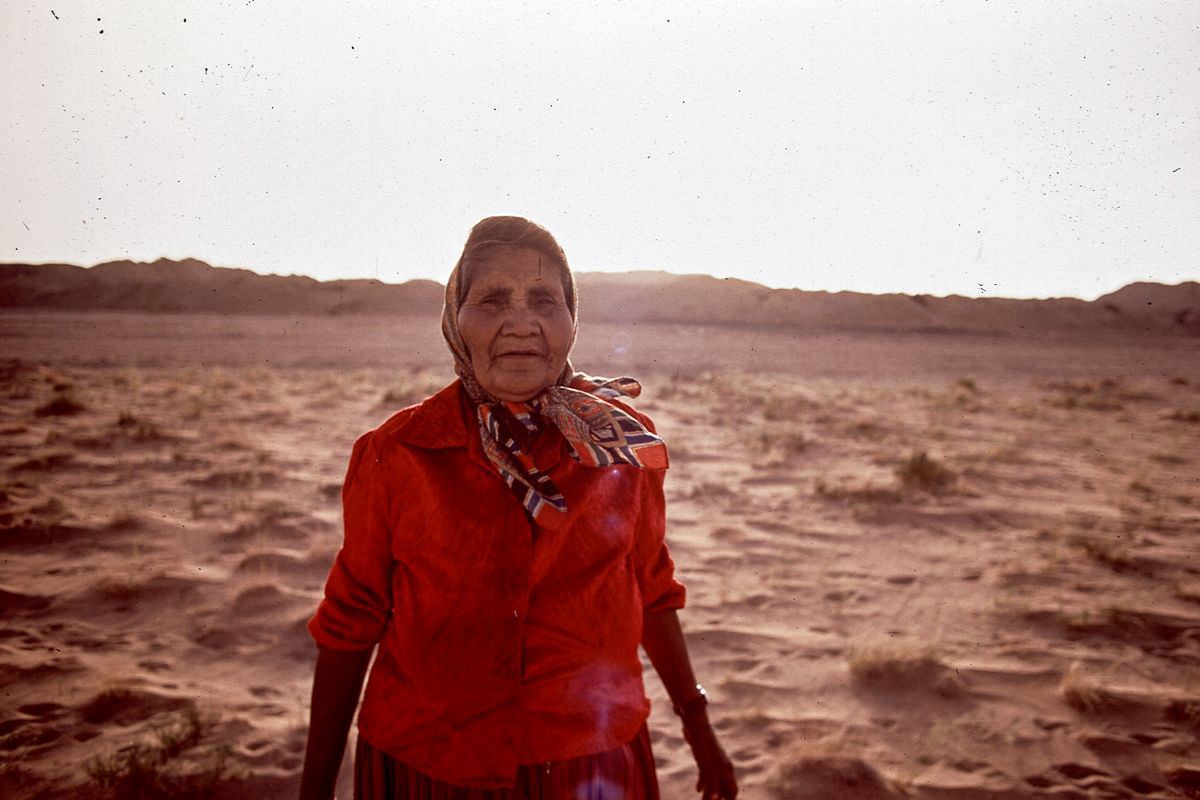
1015 615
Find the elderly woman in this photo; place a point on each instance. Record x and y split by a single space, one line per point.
504 553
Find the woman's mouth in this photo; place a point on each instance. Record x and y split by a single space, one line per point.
518 355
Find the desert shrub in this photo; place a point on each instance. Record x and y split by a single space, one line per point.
856 494
784 408
922 473
1116 555
122 592
138 429
63 404
838 776
896 665
124 520
420 387
166 768
783 444
1088 696
1107 395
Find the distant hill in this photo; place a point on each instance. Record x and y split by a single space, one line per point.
167 286
194 286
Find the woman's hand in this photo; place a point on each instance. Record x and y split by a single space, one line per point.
716 781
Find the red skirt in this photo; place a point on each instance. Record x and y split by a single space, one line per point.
625 773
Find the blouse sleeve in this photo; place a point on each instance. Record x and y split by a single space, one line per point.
357 602
655 570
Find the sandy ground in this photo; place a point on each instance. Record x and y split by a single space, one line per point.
922 566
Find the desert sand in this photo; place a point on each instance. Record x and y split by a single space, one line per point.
919 565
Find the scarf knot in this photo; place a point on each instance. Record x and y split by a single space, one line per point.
599 433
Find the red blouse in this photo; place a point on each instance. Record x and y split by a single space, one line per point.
501 642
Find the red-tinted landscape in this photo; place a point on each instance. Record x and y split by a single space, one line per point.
935 547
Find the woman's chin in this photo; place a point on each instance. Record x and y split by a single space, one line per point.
517 388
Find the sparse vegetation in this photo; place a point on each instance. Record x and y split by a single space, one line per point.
124 520
1116 554
138 429
785 408
856 494
408 394
923 473
173 766
779 447
897 665
1107 395
122 592
63 404
1086 695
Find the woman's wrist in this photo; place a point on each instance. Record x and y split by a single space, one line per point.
693 706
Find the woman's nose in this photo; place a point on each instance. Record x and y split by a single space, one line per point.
520 319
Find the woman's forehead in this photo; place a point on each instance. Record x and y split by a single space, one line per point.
506 266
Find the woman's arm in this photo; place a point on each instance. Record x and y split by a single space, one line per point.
337 682
662 639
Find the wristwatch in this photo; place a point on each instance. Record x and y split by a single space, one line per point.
690 706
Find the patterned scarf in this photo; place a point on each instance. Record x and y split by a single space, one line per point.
599 433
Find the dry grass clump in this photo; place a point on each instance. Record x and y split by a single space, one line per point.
122 592
1085 395
925 474
1117 555
124 520
63 404
1088 695
898 666
779 447
138 429
876 495
785 408
843 777
174 765
410 393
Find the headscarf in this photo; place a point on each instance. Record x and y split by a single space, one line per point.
599 433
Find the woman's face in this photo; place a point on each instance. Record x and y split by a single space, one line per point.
515 322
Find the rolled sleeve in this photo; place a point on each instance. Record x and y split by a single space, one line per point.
655 570
357 602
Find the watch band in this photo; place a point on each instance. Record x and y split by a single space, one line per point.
696 702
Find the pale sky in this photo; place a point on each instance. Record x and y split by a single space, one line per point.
980 148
